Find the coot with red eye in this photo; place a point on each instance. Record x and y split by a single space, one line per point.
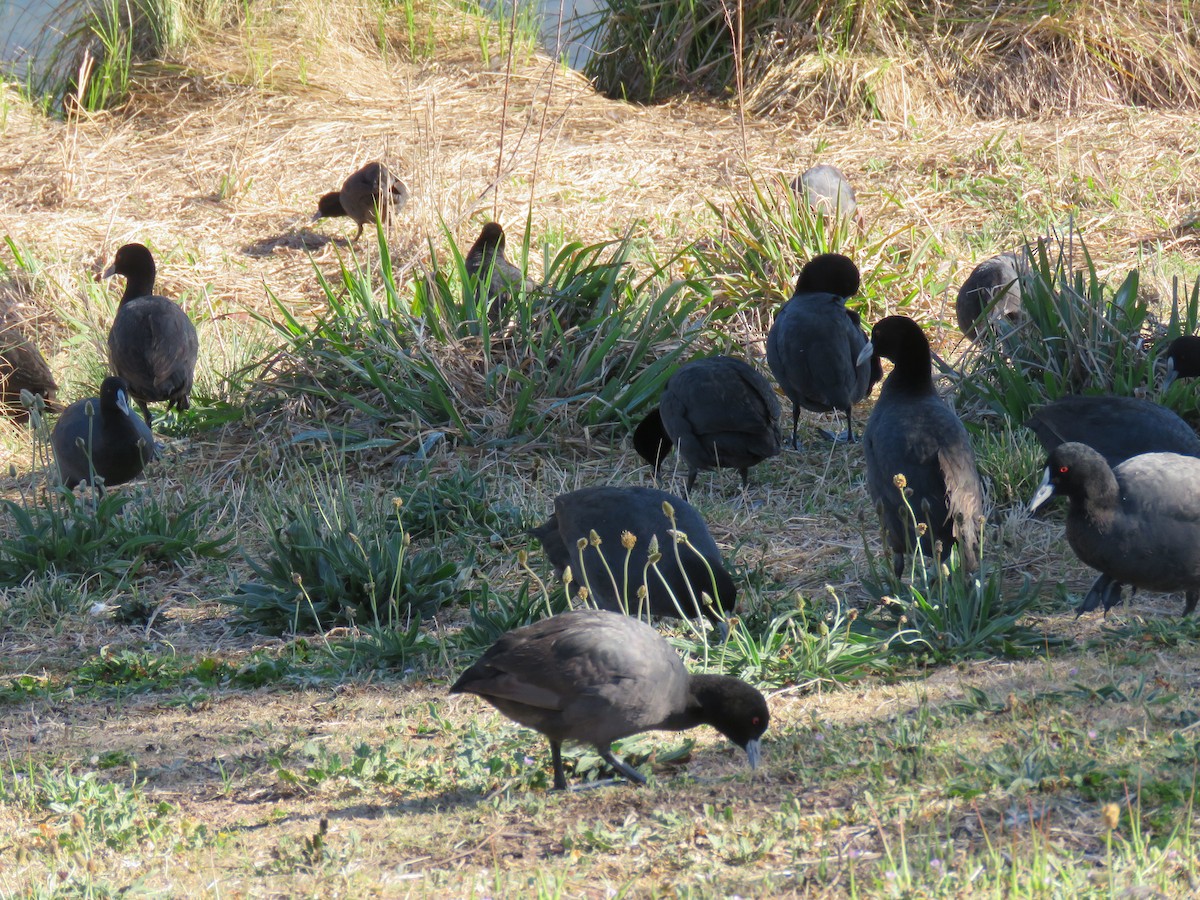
1117 427
912 432
596 676
1138 523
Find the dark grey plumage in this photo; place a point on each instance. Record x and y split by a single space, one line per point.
611 511
826 190
102 435
152 343
371 190
1138 523
912 432
814 343
720 412
498 278
995 286
596 677
1183 359
1117 427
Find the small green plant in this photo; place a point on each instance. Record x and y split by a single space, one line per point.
342 557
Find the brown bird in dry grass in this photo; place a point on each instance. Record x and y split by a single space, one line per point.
498 278
371 190
22 367
596 677
152 343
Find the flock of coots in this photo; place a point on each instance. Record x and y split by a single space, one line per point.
1129 468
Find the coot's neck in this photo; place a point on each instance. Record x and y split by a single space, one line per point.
138 284
1096 497
912 372
705 693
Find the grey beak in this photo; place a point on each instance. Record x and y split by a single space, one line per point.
1170 377
109 272
123 403
754 753
1044 492
865 353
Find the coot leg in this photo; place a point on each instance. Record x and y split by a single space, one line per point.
560 777
629 772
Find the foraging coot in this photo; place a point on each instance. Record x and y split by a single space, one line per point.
913 434
720 411
814 344
1183 359
1138 523
102 436
595 676
497 277
994 287
612 565
371 190
152 343
827 191
1117 427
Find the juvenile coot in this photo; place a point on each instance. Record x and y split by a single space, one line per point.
827 191
814 344
22 367
993 285
1183 359
369 190
722 414
1137 524
613 582
152 343
1118 427
498 278
595 676
102 435
913 433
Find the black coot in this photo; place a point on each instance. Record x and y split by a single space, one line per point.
914 434
1183 359
609 513
827 191
498 278
102 435
1117 427
595 677
814 344
1137 524
720 411
995 286
152 343
370 190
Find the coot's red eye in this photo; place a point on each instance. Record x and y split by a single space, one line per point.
1063 470
754 721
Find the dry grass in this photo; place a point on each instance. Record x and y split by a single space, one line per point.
217 161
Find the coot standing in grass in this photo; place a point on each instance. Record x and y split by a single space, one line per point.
152 343
498 278
1117 427
1183 359
1138 523
993 285
914 434
371 190
102 435
827 191
611 513
596 677
22 367
720 411
814 344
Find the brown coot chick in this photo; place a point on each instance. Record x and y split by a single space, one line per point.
22 368
613 575
152 343
722 414
993 286
1138 523
102 435
827 191
913 433
1183 359
372 189
814 344
497 277
1117 427
596 677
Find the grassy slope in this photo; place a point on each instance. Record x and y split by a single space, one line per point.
883 787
